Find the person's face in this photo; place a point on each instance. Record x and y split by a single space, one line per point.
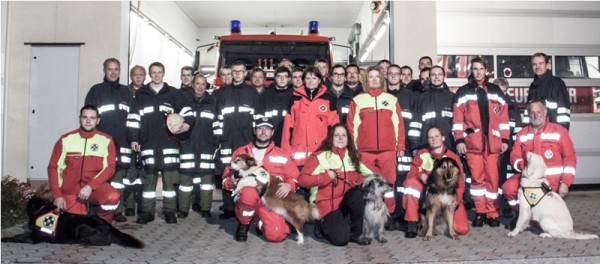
424 78
478 71
282 79
340 137
436 76
504 88
226 76
89 119
112 71
297 79
258 79
157 74
435 139
352 75
393 75
384 68
539 65
424 63
374 80
239 73
263 134
287 64
311 81
363 74
200 85
338 76
138 76
537 115
323 68
186 77
406 76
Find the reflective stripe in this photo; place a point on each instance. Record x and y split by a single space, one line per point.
405 159
513 202
465 98
218 131
226 159
551 105
447 114
169 160
124 107
186 111
428 115
148 161
196 180
186 188
515 164
475 192
345 110
554 171
109 207
187 165
147 110
512 124
166 109
407 115
491 195
169 194
227 110
525 138
186 156
509 175
563 110
125 159
206 156
413 192
414 133
403 167
499 191
225 151
148 152
569 169
400 189
106 108
125 150
563 119
389 194
496 133
149 195
505 126
416 125
299 155
497 98
468 180
207 115
128 182
170 151
278 159
117 185
553 136
243 109
132 124
206 165
248 213
207 187
457 127
134 117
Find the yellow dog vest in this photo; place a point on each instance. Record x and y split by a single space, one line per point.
48 222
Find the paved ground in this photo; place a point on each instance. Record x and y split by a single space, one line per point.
198 240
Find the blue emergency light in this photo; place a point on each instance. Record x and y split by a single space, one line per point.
313 27
235 26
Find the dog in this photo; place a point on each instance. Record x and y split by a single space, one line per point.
293 207
441 193
376 212
537 202
50 225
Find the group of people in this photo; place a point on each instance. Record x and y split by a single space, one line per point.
321 130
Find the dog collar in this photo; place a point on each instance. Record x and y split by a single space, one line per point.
48 222
533 195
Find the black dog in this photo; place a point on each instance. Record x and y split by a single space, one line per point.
48 224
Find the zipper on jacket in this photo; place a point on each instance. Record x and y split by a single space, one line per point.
82 163
377 123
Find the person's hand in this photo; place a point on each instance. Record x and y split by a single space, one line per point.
424 177
135 146
461 148
284 189
563 189
332 174
183 128
504 148
60 203
400 153
233 180
414 152
452 207
85 193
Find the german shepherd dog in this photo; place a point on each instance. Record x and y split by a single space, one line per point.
48 224
441 193
293 207
374 187
542 204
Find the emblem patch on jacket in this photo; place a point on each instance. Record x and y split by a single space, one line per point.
94 147
323 108
497 110
548 154
385 103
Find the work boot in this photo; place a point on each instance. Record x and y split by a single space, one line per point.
119 218
182 215
479 220
513 223
392 224
241 234
493 222
170 218
361 240
317 230
227 214
402 225
144 218
196 207
411 229
205 214
129 212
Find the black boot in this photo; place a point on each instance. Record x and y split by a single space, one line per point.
317 230
241 234
170 218
144 218
182 215
411 230
479 220
119 218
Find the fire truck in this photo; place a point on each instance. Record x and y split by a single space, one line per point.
266 51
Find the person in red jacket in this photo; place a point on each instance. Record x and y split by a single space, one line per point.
248 206
312 111
376 124
334 174
549 140
481 129
419 173
81 164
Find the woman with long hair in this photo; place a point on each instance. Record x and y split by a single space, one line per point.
333 173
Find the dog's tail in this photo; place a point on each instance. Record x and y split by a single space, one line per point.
314 212
126 240
573 235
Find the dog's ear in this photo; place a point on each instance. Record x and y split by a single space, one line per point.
251 162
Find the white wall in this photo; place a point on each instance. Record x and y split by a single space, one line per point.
367 19
100 25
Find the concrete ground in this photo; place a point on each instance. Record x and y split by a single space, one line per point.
200 240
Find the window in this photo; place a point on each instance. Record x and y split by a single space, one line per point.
515 67
577 67
459 66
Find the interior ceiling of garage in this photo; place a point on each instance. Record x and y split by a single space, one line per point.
275 14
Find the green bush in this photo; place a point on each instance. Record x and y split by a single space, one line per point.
15 195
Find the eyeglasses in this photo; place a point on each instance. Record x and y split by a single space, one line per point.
338 74
236 72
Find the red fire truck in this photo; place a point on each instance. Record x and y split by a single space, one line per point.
266 51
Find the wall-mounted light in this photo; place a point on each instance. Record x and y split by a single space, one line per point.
380 28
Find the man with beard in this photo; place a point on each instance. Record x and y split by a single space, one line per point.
248 205
113 100
274 102
340 91
353 78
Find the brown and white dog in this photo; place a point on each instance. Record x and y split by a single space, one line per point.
293 207
441 193
545 206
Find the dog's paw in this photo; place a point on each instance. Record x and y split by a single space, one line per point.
545 235
427 238
455 237
513 233
382 240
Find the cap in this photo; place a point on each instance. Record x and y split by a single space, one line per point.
262 122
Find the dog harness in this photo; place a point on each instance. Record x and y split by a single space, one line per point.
262 176
48 222
533 195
